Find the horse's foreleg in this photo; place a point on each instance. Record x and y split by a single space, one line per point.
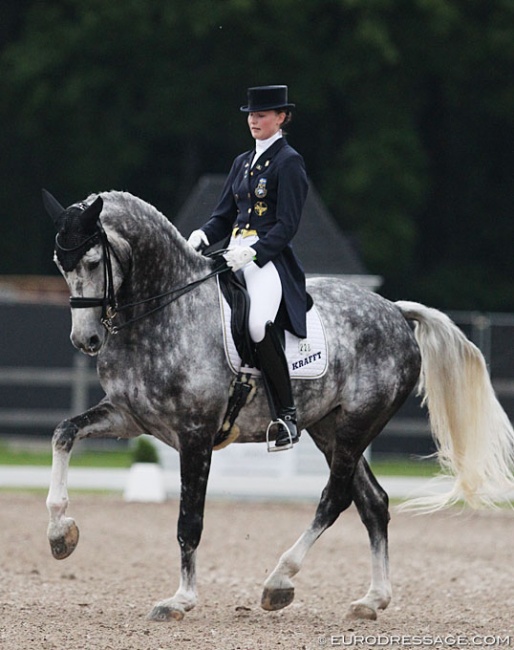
195 461
102 421
63 533
373 506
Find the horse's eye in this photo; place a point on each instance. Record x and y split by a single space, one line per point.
91 266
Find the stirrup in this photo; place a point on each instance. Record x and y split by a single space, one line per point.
271 447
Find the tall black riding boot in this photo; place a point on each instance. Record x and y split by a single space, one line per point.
276 377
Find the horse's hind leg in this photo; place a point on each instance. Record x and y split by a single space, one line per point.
373 506
336 497
100 421
279 588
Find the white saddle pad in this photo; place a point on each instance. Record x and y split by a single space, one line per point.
307 358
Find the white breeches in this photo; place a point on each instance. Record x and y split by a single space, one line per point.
264 288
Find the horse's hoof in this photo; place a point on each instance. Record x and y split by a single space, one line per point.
63 545
273 599
163 613
358 610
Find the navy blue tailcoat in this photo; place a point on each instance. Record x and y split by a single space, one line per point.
269 198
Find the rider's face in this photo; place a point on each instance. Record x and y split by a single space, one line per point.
264 124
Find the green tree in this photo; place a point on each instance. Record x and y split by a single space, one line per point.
405 114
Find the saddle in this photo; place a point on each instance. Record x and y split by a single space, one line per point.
233 288
243 385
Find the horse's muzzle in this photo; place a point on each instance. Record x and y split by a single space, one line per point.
90 345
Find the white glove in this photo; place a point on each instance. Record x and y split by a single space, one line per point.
238 257
197 238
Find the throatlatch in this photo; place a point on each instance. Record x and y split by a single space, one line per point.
277 381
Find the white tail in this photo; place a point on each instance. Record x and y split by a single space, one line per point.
474 437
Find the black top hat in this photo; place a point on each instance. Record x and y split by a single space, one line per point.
266 98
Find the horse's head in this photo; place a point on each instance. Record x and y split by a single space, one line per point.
82 254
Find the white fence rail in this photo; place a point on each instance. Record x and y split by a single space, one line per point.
80 379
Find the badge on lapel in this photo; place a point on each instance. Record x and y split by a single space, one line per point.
260 190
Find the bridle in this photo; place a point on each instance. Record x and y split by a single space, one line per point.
108 302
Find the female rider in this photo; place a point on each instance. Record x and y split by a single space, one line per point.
260 205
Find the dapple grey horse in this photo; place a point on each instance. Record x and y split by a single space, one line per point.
162 365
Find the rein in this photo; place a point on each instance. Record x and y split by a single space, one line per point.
108 303
176 293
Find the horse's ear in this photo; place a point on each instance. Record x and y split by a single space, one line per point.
52 207
90 215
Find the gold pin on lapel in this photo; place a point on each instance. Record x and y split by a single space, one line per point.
260 208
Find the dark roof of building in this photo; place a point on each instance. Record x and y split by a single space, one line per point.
319 242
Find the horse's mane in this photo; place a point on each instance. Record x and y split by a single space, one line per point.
145 228
122 209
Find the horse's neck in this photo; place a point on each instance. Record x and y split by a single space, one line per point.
160 258
166 263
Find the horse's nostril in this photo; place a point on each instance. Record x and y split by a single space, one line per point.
94 342
88 344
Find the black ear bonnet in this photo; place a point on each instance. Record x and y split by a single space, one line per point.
73 240
78 229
